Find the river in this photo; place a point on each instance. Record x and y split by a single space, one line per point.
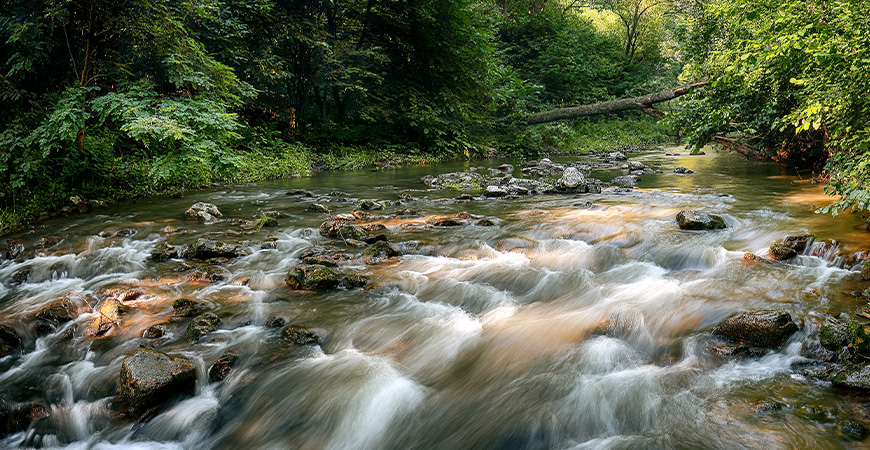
478 337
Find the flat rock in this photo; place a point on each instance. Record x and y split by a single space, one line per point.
765 329
698 220
149 377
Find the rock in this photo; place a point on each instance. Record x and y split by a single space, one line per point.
47 242
636 165
697 220
485 223
737 351
495 191
125 232
21 275
206 273
683 171
505 168
14 249
572 181
80 203
765 329
383 249
626 180
164 251
542 168
265 221
317 208
833 334
865 270
275 322
781 252
9 341
222 367
149 377
615 156
354 280
184 307
462 181
858 335
202 325
59 311
203 212
371 205
304 193
204 248
849 376
298 334
854 430
16 418
322 260
751 258
110 312
311 277
798 242
154 332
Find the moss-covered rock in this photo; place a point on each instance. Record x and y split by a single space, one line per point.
832 334
312 277
383 249
149 377
697 220
202 325
204 248
321 260
865 270
184 307
781 252
858 335
766 329
354 280
298 334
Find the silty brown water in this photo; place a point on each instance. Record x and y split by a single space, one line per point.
477 337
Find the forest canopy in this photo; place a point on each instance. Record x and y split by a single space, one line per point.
114 98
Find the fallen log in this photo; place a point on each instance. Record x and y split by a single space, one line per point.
740 146
643 103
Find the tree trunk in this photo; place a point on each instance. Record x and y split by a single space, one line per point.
740 146
643 103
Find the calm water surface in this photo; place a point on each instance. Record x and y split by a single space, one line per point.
477 338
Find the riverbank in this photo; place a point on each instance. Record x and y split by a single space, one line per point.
135 176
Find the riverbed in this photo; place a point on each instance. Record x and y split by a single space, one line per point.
482 335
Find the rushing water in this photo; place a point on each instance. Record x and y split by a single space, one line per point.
477 338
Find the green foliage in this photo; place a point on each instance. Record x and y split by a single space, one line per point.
791 78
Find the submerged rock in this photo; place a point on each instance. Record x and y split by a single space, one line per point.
184 307
21 275
626 180
854 430
149 377
312 277
683 171
202 325
766 329
204 248
203 212
222 367
9 340
298 334
15 418
697 220
317 208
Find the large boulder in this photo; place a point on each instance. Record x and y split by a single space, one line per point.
312 277
204 213
204 248
766 329
697 220
149 377
9 340
202 325
572 181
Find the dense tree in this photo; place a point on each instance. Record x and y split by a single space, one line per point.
791 78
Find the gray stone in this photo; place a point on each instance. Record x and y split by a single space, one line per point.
149 377
572 181
204 213
697 220
495 191
766 329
